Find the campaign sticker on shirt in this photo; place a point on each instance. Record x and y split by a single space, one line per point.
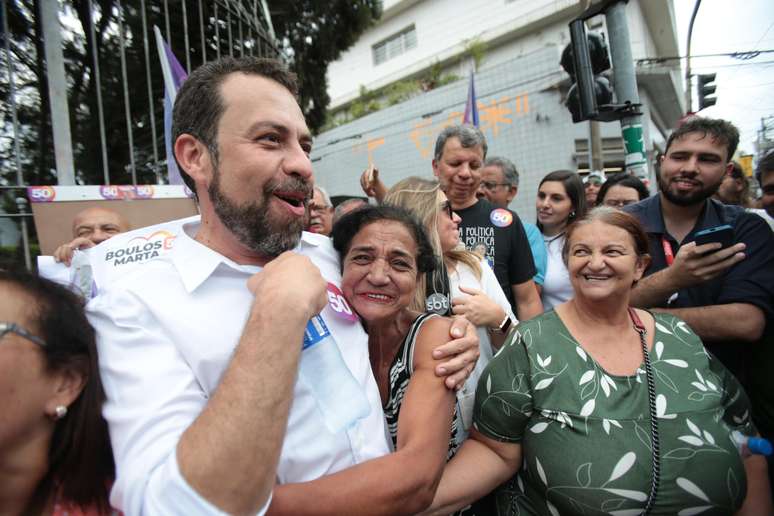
339 305
141 248
501 218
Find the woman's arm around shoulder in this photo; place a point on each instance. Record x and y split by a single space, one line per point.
481 465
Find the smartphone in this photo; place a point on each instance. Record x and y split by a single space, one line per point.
723 234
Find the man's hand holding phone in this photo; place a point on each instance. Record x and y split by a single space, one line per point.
695 264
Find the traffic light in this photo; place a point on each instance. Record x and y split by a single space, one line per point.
585 59
707 88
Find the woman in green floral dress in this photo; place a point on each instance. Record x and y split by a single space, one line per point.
566 404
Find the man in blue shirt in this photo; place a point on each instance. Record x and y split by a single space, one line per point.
725 295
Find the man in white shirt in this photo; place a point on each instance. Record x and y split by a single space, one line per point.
199 347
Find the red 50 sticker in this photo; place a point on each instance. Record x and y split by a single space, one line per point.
110 192
144 191
41 193
339 305
501 218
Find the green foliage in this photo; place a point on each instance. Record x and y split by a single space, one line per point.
312 34
12 257
399 91
317 32
366 103
476 48
435 78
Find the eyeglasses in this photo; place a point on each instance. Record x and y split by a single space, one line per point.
6 327
618 203
318 207
491 186
447 207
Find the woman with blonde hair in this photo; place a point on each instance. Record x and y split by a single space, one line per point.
465 285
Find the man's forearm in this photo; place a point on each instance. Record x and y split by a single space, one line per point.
730 322
653 290
528 304
229 454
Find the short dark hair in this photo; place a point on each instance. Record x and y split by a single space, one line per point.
468 135
737 172
613 217
510 174
765 166
344 206
350 225
199 104
721 130
80 458
573 185
623 179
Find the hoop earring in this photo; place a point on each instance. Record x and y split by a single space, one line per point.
59 412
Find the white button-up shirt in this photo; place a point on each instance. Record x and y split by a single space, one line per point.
166 333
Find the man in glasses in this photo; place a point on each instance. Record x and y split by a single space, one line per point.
320 212
499 181
499 185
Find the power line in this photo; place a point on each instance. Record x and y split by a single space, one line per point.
742 55
710 67
764 34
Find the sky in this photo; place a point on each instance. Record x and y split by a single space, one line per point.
745 89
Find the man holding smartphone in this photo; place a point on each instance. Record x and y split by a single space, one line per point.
723 293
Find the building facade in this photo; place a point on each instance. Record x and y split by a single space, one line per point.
515 48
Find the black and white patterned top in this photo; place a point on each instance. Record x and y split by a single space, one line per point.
400 373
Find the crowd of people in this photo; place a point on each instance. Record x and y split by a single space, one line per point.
604 359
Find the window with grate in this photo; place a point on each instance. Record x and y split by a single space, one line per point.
395 45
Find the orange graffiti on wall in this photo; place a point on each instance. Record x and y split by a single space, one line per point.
423 137
494 114
369 147
492 117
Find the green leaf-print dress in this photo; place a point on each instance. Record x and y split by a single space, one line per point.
585 434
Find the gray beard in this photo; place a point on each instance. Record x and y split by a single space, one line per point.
251 222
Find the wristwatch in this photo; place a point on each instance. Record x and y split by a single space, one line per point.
504 326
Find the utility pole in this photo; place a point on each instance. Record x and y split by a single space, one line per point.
626 89
597 161
688 92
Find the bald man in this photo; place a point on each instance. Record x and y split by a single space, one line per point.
91 227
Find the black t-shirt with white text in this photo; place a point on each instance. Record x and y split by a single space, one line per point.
498 234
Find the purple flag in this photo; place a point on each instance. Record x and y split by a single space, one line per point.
471 105
174 75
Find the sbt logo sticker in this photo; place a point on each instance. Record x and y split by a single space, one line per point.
41 193
501 218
